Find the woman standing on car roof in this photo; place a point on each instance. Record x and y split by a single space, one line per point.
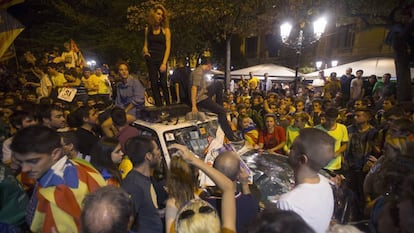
157 46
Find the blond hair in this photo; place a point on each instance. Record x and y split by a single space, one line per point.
208 222
181 181
165 23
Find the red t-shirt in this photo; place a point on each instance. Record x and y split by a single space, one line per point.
273 139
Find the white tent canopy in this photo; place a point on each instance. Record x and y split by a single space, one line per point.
377 66
275 72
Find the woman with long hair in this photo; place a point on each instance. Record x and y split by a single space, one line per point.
106 155
157 47
181 187
198 215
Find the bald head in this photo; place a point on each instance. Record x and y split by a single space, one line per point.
108 209
102 216
228 163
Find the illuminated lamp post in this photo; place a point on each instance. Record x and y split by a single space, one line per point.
300 41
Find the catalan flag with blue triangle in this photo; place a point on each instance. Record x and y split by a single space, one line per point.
10 28
60 193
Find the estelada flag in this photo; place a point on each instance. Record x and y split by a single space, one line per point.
81 60
10 28
4 4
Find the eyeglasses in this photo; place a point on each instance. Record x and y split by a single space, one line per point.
190 213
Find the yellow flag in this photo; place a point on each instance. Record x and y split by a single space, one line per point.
10 28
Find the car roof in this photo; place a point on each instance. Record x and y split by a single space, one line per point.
173 124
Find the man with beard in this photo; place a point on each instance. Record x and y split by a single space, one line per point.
85 119
338 132
361 148
52 117
145 156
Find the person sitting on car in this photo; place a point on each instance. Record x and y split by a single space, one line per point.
202 92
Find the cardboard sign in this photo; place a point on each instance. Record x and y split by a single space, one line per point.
67 94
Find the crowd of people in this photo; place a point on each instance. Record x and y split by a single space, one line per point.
71 161
360 114
62 151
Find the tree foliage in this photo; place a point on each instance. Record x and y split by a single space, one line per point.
113 30
199 24
97 26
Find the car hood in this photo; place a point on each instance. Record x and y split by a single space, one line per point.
272 174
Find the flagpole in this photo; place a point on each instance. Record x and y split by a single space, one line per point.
15 56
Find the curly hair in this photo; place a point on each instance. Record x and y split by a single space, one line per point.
165 23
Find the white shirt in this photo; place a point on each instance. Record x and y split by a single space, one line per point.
356 87
313 202
44 84
6 159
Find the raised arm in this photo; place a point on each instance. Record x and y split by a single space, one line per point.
228 204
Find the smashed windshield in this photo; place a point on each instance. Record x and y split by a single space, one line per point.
196 137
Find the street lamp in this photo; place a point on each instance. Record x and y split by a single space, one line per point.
91 63
299 42
318 65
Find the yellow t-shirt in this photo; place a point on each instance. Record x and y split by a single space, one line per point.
125 167
253 82
58 81
90 85
340 134
102 82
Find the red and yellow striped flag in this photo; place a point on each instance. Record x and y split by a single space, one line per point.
81 62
